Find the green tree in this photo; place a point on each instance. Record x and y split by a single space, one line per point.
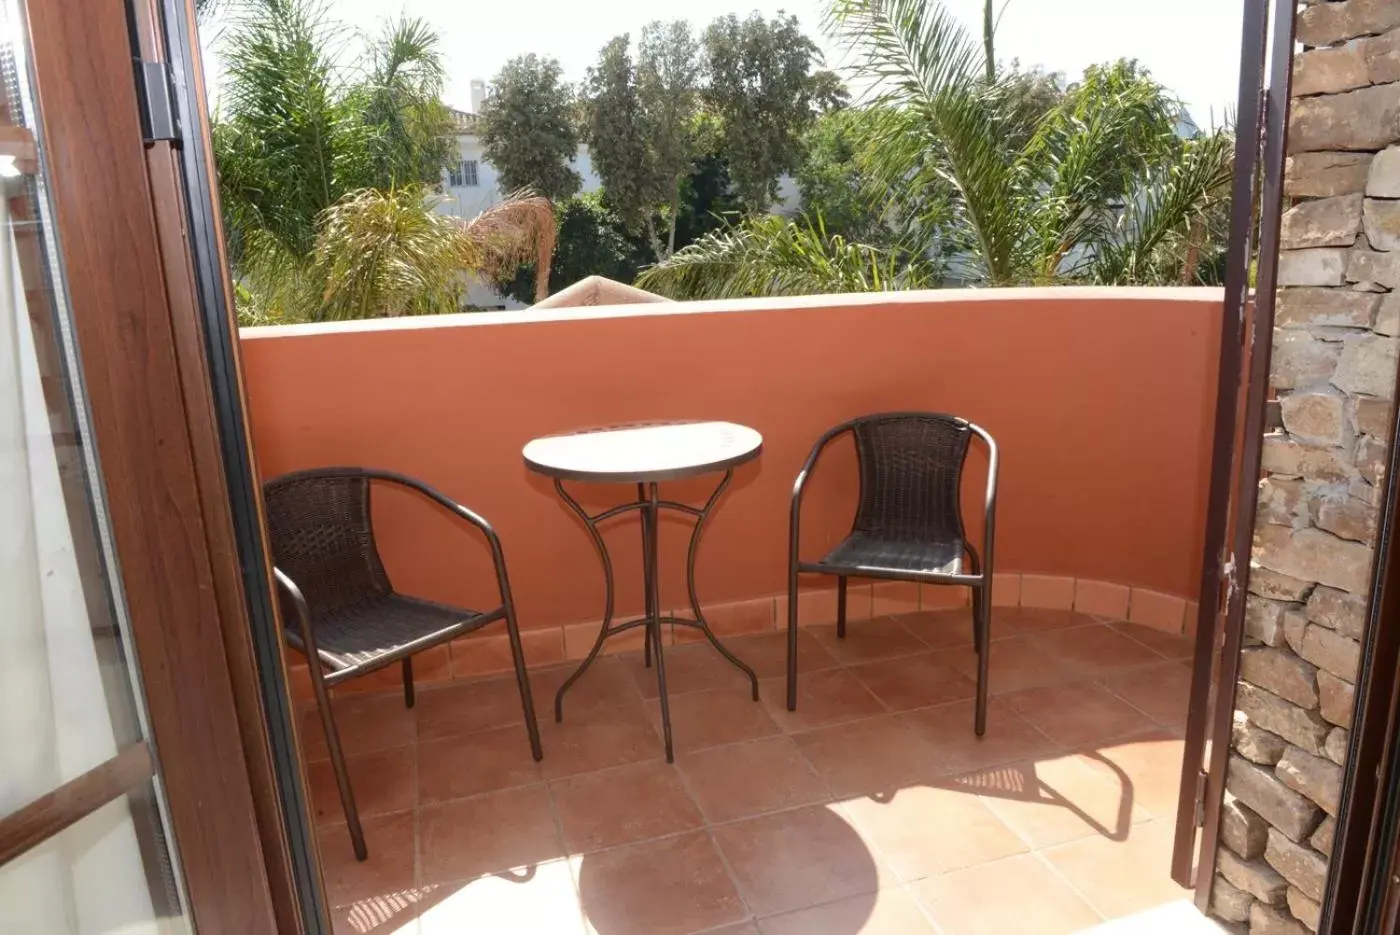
527 128
831 179
592 241
760 87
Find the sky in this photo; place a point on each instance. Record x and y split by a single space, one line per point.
1191 46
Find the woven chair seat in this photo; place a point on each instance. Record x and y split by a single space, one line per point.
884 553
360 633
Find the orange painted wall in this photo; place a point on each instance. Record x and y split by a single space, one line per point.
1101 401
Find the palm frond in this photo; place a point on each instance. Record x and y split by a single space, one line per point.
916 50
520 229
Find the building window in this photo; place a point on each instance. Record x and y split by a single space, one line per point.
463 174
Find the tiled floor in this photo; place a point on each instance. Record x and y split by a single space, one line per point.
872 809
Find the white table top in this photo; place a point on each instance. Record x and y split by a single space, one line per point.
644 453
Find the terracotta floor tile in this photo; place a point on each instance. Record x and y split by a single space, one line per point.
794 859
623 805
1019 894
690 668
1119 878
389 868
456 767
832 696
948 731
766 653
743 928
542 901
382 782
1016 664
463 707
1166 644
911 682
599 739
943 629
500 832
1093 650
868 640
748 779
923 830
872 757
1017 621
1078 713
1147 766
365 723
606 684
1162 692
891 911
1055 800
671 886
711 718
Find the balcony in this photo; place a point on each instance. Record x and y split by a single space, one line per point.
873 808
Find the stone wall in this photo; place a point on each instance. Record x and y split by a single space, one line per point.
1334 365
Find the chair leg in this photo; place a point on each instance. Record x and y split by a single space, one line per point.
342 775
841 607
522 681
408 695
792 643
984 655
977 600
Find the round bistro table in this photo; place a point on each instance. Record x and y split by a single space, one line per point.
646 455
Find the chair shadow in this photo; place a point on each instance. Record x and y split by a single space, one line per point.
388 913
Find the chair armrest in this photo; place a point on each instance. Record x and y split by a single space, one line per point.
990 504
308 637
800 484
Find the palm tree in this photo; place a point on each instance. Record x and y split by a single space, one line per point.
1098 188
326 170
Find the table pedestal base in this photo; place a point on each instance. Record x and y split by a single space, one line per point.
649 505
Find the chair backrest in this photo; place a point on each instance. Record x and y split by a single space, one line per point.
911 474
322 537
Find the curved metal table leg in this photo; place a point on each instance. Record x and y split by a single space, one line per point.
591 524
703 625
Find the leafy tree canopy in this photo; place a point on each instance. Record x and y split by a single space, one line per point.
528 128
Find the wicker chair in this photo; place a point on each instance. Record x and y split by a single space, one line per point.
348 617
908 523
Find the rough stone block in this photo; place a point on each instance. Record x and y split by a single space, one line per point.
1346 517
1300 360
1281 498
1370 457
1268 920
1330 23
1314 555
1364 119
1263 620
1255 877
1358 488
1338 308
1382 177
1317 418
1330 70
1388 316
1322 266
1382 224
1337 699
1291 813
1228 901
1336 748
1299 864
1382 55
1274 586
1324 222
1256 745
1365 265
1305 910
1328 649
1367 365
1338 610
1265 710
1371 416
1281 673
1322 837
1295 624
1242 830
1322 175
1291 458
1317 778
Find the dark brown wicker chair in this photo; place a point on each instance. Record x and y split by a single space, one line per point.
348 618
908 523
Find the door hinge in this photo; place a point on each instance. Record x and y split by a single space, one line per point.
1200 798
156 99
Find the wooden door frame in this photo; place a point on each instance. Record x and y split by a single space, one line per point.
146 413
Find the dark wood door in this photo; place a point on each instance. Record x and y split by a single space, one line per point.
125 798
